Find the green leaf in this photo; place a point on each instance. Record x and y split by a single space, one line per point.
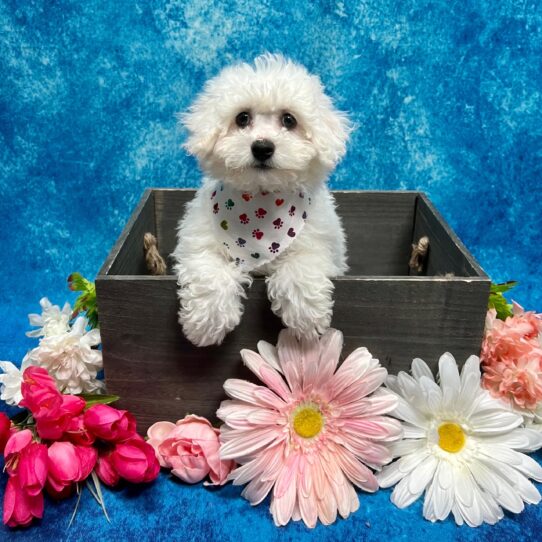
498 302
86 302
96 399
97 493
504 287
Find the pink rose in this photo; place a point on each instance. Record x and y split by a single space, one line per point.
26 460
133 460
68 463
20 508
191 449
110 424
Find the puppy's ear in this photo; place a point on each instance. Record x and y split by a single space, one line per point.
203 128
330 132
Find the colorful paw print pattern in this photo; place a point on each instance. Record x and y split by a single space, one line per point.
255 227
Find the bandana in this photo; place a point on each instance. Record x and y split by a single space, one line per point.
255 227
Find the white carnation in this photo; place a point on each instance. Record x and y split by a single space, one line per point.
10 382
70 358
52 321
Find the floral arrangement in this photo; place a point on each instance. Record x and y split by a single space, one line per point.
68 435
61 443
306 437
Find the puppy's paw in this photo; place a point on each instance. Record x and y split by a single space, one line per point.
306 307
207 315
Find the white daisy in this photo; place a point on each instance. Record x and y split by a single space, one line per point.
70 358
532 418
461 447
10 381
52 321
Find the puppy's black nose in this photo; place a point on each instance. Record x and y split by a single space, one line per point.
262 149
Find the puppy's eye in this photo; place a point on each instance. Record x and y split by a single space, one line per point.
288 121
243 119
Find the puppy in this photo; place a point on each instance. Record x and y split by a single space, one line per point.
266 137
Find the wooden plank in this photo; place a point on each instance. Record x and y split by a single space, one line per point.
378 227
160 375
127 256
447 254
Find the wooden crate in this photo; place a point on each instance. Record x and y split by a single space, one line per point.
381 304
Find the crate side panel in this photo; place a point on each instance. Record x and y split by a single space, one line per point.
398 320
444 254
378 227
156 371
130 257
160 375
169 207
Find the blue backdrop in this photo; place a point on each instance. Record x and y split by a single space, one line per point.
448 99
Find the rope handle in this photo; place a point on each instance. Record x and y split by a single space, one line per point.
155 263
419 254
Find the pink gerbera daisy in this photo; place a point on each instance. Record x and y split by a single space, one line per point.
312 431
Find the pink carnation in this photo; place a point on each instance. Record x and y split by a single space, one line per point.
512 357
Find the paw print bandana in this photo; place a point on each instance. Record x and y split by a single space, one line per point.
255 227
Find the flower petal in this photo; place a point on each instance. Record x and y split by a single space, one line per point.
449 379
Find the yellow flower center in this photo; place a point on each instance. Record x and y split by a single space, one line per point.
308 421
451 437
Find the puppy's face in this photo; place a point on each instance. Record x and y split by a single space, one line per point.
268 126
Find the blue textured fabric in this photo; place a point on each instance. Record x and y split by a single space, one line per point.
447 96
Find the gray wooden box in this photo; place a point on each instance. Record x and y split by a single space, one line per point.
381 304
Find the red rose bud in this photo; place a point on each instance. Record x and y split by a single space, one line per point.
5 431
77 432
52 425
135 460
105 469
68 463
40 394
27 461
108 423
20 508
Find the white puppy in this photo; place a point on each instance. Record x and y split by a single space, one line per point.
266 137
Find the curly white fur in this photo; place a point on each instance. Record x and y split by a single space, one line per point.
298 280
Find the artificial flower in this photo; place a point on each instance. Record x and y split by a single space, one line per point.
512 359
134 460
52 321
310 432
77 432
52 410
68 464
27 460
105 468
20 508
39 391
191 449
11 381
461 447
110 424
5 431
71 358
